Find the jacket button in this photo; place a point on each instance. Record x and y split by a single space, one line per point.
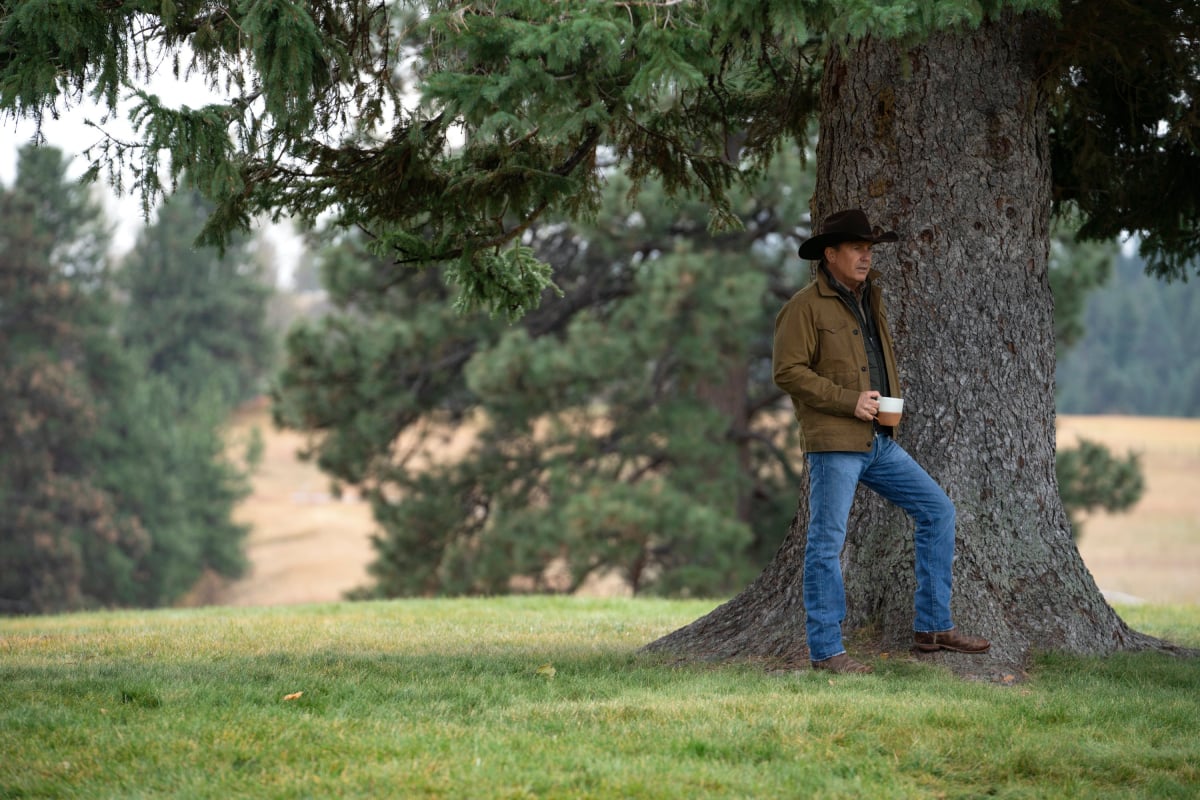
864 369
855 332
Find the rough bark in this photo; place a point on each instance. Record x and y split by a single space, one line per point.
947 144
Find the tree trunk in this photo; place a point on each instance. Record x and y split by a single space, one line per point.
947 145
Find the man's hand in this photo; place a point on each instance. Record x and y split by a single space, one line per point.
867 406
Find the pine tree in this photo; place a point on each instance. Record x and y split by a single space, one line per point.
111 496
61 524
1090 477
196 317
169 466
628 426
961 124
194 321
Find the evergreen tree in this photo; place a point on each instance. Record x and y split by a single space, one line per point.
110 497
1077 269
171 471
960 164
630 425
1091 477
519 99
195 316
194 320
61 371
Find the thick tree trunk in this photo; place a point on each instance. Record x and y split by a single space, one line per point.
947 144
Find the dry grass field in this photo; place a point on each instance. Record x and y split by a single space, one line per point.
1152 551
306 546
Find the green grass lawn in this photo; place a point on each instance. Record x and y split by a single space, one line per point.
547 698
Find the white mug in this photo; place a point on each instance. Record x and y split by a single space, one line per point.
890 409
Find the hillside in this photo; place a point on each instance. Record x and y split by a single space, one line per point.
307 546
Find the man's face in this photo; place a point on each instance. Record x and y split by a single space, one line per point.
849 262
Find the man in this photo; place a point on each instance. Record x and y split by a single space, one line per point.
834 357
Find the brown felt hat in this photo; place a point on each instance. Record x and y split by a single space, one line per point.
844 226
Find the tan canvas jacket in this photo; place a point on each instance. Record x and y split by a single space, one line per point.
820 360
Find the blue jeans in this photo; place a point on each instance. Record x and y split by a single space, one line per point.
890 471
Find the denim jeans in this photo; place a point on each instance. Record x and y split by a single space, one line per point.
887 469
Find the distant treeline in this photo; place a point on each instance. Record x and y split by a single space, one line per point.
1140 350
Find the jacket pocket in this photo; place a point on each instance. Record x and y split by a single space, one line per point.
841 351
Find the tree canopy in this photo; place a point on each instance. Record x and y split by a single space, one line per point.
446 129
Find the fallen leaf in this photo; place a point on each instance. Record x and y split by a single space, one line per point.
293 696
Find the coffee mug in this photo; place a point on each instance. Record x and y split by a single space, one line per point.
890 409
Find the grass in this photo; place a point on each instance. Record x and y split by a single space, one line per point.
547 698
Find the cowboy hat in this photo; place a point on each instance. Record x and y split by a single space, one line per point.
844 226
